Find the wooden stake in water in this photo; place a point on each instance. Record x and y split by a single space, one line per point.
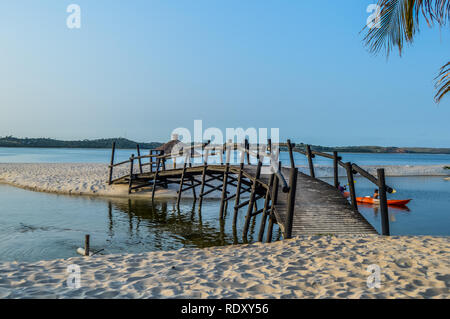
86 245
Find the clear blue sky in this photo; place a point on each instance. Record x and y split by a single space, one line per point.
142 68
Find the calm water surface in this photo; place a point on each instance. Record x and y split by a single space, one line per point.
74 155
36 226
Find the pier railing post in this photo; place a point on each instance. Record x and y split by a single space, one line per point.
86 245
247 148
111 166
291 154
265 211
150 161
204 172
291 203
155 177
130 182
251 200
239 185
351 184
225 179
335 169
274 197
310 156
383 202
138 149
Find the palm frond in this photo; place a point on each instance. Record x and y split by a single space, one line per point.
399 22
442 82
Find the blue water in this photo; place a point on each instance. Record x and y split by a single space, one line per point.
35 226
71 155
427 214
40 226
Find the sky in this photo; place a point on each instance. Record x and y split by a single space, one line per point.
139 69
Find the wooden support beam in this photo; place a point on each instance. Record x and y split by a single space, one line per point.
224 190
273 196
151 160
247 151
351 185
310 156
239 184
265 209
111 167
383 203
155 178
251 201
130 182
291 203
180 190
138 149
336 169
291 155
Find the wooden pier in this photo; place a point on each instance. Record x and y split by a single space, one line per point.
299 204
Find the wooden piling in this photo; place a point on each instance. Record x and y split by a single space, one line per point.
224 189
86 245
111 166
274 197
291 154
150 160
265 209
291 203
202 187
336 169
130 182
180 190
351 185
155 178
310 156
225 180
238 187
383 202
138 149
247 149
252 200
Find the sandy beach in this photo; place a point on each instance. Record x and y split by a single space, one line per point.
90 178
309 267
73 179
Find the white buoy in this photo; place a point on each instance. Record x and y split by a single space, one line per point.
82 252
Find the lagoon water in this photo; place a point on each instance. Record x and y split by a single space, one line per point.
36 226
76 155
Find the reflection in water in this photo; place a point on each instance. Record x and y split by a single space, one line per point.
393 210
166 227
39 226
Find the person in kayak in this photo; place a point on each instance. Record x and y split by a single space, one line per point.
341 189
376 195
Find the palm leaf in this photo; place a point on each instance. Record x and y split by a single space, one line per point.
399 22
442 82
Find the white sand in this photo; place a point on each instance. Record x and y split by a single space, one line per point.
311 267
90 178
76 179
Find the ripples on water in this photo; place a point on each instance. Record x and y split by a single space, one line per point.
36 226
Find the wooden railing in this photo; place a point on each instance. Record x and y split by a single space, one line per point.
351 169
188 153
157 162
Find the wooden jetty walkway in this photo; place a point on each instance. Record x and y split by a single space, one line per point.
299 204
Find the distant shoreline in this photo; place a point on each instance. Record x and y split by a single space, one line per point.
122 143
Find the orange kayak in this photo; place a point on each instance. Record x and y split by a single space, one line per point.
393 202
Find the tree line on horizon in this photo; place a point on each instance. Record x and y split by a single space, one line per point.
123 143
